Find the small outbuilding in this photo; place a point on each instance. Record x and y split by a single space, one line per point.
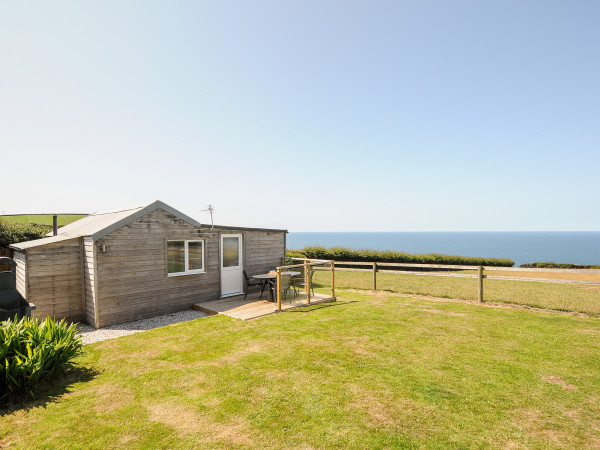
120 266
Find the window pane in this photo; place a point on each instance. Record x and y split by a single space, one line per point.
195 255
231 252
175 256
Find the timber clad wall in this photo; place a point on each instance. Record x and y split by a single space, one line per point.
88 280
263 249
132 271
19 258
55 280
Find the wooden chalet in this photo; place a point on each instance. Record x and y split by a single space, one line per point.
121 266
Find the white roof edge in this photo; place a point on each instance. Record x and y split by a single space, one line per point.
101 213
42 241
140 213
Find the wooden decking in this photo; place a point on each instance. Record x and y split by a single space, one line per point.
253 307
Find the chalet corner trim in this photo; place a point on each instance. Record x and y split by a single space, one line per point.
95 287
82 256
26 275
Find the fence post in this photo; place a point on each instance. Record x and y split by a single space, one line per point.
279 288
307 277
480 284
333 279
374 276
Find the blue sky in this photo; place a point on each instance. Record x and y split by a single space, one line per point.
311 116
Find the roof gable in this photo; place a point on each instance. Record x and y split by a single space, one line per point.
99 225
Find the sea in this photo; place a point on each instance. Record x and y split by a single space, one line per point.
573 247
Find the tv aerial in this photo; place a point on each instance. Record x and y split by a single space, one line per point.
210 209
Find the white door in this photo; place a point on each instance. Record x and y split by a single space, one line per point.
231 264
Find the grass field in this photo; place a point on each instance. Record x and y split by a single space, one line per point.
370 371
44 219
563 297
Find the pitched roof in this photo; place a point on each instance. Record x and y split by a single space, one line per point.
38 242
98 225
95 223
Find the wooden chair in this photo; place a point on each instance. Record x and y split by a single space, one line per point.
250 284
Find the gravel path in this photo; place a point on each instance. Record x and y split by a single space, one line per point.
90 335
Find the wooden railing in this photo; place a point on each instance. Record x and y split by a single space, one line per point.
434 270
307 266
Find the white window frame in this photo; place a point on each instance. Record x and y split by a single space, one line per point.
186 258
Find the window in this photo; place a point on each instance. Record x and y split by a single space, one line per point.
231 251
185 257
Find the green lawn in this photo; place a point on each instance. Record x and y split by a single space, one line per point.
44 219
563 297
368 371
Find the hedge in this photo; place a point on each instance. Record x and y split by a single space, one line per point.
346 254
13 232
553 265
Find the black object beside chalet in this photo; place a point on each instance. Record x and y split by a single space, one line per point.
12 302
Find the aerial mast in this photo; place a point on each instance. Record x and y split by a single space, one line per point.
210 209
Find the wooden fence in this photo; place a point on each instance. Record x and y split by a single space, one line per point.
307 267
438 270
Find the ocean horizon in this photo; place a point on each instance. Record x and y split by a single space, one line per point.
574 247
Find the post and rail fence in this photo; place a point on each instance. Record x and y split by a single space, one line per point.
307 267
447 270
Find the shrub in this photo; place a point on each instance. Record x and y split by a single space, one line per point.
13 232
32 350
553 265
294 254
346 254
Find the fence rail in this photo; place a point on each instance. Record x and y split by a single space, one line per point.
461 267
307 268
376 267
